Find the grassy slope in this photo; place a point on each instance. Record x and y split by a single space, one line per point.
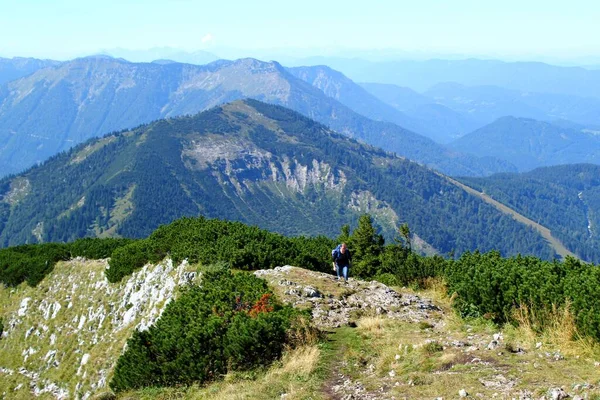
364 357
90 321
346 361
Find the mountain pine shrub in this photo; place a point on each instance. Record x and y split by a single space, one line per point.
32 262
95 248
232 322
126 259
492 286
209 241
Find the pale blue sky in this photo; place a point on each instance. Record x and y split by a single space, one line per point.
525 28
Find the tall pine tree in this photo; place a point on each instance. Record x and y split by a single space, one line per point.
366 246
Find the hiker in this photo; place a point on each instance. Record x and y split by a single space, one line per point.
342 261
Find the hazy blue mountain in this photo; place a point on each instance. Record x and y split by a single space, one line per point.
563 123
522 76
487 103
18 67
57 107
564 198
483 103
440 123
446 124
253 162
582 110
432 120
198 57
529 144
164 62
401 98
337 86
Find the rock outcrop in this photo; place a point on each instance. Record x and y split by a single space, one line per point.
63 337
335 303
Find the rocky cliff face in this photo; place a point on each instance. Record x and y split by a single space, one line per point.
62 338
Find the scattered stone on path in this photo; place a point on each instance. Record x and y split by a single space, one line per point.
335 303
558 394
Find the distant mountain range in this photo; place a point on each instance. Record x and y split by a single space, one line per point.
534 77
528 130
336 85
391 103
59 106
53 106
528 144
487 103
462 109
254 162
564 198
198 57
18 67
441 123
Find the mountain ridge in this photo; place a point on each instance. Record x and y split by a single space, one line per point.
99 95
249 161
529 143
18 67
421 75
443 123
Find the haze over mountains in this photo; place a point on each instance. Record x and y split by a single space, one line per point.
57 107
485 103
421 75
18 67
47 107
529 144
198 57
439 122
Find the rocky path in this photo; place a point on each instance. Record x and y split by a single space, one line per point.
387 344
335 303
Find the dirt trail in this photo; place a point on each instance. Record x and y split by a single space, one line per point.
545 232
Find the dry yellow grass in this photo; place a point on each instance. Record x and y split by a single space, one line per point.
293 376
289 377
417 361
555 328
372 325
300 362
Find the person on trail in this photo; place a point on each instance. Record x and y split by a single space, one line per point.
342 260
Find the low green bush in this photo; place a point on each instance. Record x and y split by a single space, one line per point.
409 268
95 248
492 286
32 262
124 260
210 241
231 322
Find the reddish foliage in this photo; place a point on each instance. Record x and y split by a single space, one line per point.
263 305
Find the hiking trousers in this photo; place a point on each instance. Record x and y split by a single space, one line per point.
344 270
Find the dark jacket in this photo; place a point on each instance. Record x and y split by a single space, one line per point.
343 259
